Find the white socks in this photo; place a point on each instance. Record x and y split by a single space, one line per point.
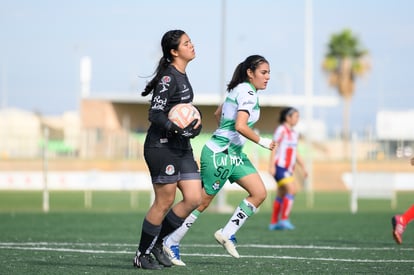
239 217
175 237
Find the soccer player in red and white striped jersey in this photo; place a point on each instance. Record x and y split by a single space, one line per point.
282 164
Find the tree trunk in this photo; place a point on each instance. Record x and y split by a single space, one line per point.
345 126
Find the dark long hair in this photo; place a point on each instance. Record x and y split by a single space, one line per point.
170 41
288 111
240 73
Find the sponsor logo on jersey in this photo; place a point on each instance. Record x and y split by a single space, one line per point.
226 159
158 103
236 160
185 89
248 103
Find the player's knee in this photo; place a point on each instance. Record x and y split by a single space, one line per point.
291 188
259 197
262 197
203 205
164 204
194 202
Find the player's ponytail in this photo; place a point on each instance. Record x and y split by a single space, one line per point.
170 41
162 65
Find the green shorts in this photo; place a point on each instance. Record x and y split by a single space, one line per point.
217 168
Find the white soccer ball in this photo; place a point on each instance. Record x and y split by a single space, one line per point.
183 114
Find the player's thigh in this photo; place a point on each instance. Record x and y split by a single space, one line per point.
189 169
191 191
164 195
249 179
291 187
215 170
284 178
163 164
243 168
254 185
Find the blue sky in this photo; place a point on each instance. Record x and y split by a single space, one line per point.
42 42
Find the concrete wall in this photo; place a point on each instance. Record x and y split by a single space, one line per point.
20 132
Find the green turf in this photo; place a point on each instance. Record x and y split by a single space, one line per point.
72 239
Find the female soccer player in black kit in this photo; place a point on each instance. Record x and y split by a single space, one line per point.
168 152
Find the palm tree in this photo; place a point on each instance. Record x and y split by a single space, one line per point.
344 61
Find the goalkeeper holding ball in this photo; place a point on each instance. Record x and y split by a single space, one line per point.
168 152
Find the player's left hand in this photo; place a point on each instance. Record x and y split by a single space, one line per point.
274 145
191 131
197 124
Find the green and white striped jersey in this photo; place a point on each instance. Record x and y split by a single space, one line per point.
242 97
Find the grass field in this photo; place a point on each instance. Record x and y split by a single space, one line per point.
102 239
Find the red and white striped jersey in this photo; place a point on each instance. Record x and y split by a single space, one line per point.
286 152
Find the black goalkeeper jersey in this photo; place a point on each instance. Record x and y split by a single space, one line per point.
173 88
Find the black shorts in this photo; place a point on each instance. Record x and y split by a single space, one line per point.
171 165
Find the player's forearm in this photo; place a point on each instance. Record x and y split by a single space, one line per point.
248 133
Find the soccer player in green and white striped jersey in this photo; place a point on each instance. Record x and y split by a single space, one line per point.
222 157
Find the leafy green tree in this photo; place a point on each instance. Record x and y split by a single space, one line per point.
344 61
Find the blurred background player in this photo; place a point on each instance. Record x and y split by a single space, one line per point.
222 157
281 166
399 222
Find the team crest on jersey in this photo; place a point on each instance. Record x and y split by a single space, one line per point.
165 80
170 169
216 185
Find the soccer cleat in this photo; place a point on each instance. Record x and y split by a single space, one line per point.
286 225
228 243
173 253
146 261
275 226
282 225
159 254
398 227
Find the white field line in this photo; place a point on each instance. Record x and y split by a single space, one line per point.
314 247
60 247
